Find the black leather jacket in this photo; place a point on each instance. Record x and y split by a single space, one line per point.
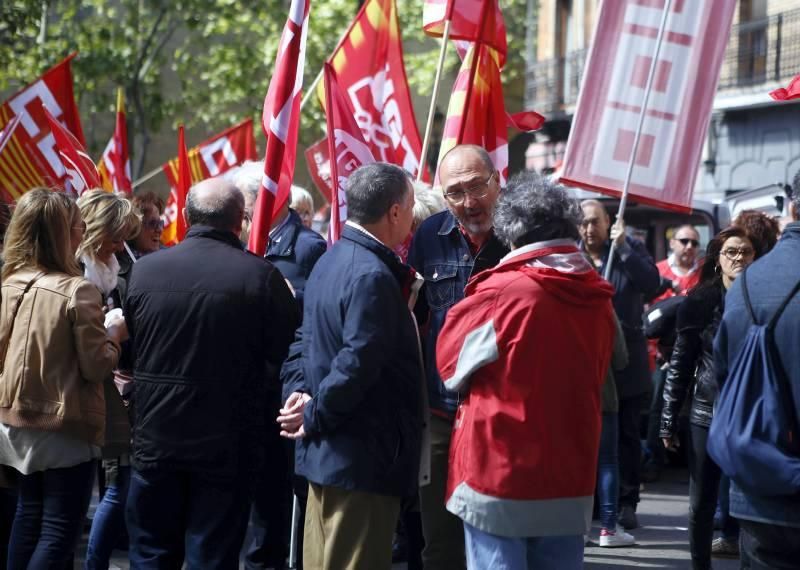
692 359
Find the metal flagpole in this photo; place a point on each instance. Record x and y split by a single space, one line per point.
146 177
432 110
293 532
631 163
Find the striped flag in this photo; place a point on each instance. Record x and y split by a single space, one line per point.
28 159
281 122
346 148
477 113
175 225
80 173
213 157
115 164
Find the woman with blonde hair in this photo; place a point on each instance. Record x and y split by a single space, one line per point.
54 355
111 220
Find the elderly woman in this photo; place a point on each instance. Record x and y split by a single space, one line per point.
110 221
303 204
54 356
528 350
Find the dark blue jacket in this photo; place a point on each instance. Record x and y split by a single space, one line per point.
357 355
769 281
636 280
210 325
440 253
294 249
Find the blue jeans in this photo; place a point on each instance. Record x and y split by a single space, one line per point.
109 521
172 514
608 471
49 517
486 550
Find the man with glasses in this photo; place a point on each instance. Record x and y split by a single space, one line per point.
449 248
679 273
635 280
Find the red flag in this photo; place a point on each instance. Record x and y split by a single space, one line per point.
29 158
792 91
175 229
7 131
471 20
368 63
115 164
673 134
213 157
80 173
477 113
281 121
346 148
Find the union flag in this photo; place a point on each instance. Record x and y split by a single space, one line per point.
115 164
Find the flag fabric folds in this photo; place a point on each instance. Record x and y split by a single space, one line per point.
471 20
477 113
281 122
115 164
80 173
790 92
346 148
673 133
214 157
29 159
369 69
175 225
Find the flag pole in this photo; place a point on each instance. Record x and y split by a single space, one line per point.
311 89
642 113
146 177
432 109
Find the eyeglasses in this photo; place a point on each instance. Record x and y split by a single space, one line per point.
153 225
687 241
477 191
734 253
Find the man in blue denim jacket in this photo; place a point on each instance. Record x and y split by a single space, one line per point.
449 248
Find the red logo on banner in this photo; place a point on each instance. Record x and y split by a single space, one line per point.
29 158
685 81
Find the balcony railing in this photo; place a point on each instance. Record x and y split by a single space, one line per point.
758 52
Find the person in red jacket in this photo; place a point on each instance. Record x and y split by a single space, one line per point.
528 350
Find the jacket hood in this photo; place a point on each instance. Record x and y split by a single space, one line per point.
557 266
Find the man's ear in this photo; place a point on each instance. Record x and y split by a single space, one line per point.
185 217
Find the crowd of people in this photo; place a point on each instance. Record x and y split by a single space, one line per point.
454 370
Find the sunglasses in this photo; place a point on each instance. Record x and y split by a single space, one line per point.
153 224
687 241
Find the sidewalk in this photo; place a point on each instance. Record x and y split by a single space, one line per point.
662 538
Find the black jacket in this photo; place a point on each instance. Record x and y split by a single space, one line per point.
210 325
692 359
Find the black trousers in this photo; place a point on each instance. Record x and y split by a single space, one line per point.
630 448
769 546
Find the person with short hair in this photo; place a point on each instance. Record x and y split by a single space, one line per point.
525 441
353 381
210 326
448 249
55 354
763 229
303 204
635 279
770 524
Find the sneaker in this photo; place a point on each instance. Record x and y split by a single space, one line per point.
615 538
627 517
725 547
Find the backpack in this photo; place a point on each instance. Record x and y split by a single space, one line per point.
754 436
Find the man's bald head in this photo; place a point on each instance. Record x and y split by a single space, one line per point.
217 203
461 151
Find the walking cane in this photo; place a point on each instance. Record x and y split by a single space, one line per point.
293 533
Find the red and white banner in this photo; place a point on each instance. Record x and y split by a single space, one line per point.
280 120
346 147
115 164
175 224
368 64
80 173
470 20
319 167
214 157
29 159
677 115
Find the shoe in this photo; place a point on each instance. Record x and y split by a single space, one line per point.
615 538
627 517
725 547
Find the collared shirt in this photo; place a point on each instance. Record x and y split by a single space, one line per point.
677 269
363 230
